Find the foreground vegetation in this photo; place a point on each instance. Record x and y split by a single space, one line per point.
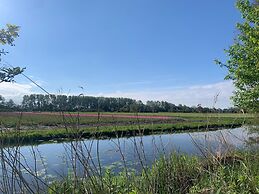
215 172
237 172
229 171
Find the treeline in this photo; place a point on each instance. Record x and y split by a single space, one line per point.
7 105
40 102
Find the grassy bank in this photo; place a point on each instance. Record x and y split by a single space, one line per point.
31 129
232 172
236 172
62 134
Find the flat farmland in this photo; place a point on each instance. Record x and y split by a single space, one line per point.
45 126
39 119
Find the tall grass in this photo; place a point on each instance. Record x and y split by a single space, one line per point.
176 174
215 172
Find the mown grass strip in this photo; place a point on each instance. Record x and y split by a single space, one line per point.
61 134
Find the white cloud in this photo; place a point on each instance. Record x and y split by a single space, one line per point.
191 96
15 91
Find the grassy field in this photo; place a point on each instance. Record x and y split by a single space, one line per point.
32 128
232 172
178 114
19 119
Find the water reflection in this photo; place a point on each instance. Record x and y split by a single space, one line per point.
58 158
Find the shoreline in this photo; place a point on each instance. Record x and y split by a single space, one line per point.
36 137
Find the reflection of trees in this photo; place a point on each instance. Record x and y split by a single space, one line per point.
253 130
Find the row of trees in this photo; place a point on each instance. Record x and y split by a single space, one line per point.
7 105
40 102
242 65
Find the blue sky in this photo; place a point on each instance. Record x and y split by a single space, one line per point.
145 49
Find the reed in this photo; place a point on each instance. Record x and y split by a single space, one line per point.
230 171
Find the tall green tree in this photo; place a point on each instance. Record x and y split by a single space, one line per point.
7 37
243 58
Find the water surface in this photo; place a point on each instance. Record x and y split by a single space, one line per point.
58 159
57 155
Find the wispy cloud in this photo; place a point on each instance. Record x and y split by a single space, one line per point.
140 83
15 91
125 84
191 96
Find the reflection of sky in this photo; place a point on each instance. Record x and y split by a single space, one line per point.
134 149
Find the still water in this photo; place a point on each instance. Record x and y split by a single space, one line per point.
57 159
